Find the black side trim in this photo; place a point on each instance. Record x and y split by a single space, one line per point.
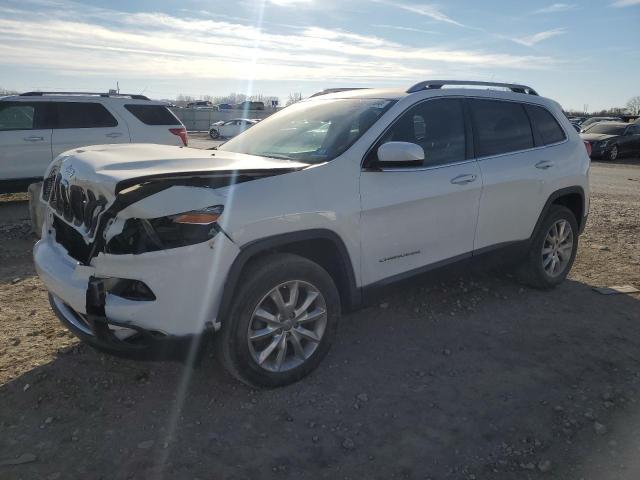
561 193
517 246
371 291
17 185
506 250
252 249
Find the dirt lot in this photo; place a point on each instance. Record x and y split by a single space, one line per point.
460 376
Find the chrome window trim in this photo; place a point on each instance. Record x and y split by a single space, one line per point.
422 169
475 158
515 152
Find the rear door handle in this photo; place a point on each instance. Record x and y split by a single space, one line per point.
33 139
464 179
544 164
113 135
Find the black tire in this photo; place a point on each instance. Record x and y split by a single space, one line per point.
613 154
531 270
214 134
258 279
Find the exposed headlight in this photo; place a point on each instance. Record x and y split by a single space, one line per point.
140 235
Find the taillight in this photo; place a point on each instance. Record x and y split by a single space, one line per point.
587 145
182 133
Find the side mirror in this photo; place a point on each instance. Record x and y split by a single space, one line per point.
400 152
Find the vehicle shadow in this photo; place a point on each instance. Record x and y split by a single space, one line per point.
462 375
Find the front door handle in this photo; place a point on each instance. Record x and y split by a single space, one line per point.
464 179
113 135
544 164
33 139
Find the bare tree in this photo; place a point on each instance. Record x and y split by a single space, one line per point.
4 91
294 97
633 105
232 98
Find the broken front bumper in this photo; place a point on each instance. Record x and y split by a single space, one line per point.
185 283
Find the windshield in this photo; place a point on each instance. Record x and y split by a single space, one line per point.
312 132
607 129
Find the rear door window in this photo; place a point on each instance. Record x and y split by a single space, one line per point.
500 127
24 116
83 115
548 127
17 116
153 114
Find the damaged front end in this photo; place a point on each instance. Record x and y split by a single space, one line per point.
144 267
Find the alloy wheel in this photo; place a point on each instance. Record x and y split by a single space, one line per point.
613 153
557 248
287 326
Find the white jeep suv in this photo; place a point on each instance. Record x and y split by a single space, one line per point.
36 127
266 240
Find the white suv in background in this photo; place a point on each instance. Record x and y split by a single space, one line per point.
269 238
36 127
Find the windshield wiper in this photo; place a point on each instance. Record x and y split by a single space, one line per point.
279 156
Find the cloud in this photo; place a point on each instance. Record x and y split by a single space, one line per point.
289 3
430 11
625 3
557 8
531 40
87 41
404 29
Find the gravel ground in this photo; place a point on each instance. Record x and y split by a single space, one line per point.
463 375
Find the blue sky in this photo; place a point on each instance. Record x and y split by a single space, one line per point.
575 52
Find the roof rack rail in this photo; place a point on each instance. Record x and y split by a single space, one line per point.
327 91
97 94
437 84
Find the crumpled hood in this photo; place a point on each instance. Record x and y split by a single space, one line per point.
596 137
113 168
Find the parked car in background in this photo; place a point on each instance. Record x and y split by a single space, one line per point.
310 213
611 140
202 105
250 105
36 127
590 121
225 106
230 128
577 120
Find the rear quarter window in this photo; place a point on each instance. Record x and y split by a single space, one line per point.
153 114
500 127
547 126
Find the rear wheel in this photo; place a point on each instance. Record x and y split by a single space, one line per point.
282 321
552 251
214 134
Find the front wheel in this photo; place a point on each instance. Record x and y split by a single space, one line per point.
552 250
282 321
614 153
214 134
